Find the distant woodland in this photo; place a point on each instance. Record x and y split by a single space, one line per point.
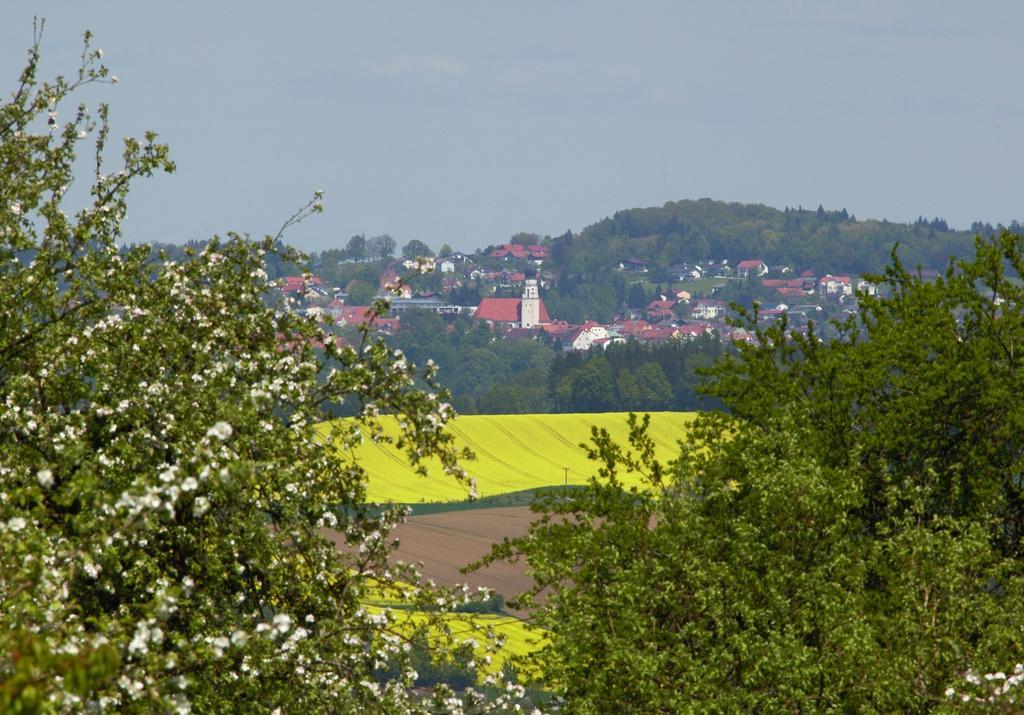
819 239
488 376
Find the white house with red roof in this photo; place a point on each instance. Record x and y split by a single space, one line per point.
335 308
302 284
751 267
708 308
587 335
659 309
632 328
693 331
739 335
835 285
866 287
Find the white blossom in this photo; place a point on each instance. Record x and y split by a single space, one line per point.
45 478
221 431
220 643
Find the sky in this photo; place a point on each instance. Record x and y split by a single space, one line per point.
467 122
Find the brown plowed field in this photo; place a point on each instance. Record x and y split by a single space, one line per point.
445 542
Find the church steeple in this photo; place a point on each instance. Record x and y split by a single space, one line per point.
529 307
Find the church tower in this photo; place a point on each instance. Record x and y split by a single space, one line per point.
529 307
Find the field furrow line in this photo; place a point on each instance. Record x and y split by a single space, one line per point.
528 448
472 443
562 439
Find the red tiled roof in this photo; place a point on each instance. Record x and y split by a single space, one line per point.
660 334
294 284
782 283
741 336
354 314
522 333
387 324
513 249
749 263
632 327
505 310
560 333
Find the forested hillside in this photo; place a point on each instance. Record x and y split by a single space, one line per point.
688 230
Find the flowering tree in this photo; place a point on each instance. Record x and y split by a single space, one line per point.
163 487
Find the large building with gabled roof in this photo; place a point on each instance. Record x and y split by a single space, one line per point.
526 312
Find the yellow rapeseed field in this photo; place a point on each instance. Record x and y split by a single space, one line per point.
520 638
513 453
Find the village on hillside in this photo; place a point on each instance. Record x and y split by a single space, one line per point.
693 300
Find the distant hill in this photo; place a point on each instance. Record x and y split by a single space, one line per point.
683 231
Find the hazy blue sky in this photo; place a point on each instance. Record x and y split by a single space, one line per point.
465 122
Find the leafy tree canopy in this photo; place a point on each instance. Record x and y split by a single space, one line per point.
360 293
416 249
355 249
379 247
848 538
526 239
